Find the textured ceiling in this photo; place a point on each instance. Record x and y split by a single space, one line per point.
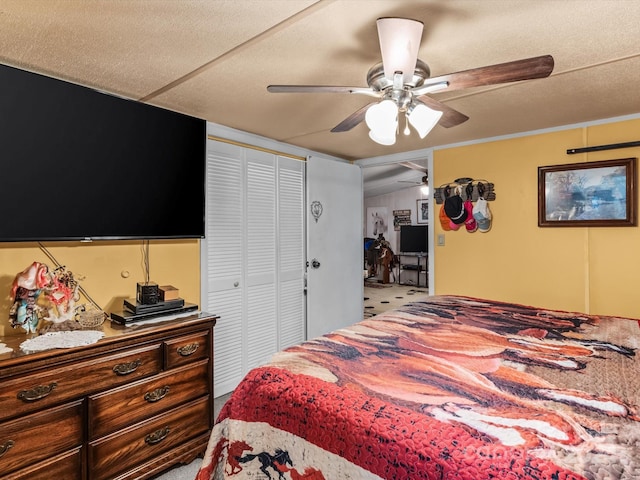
214 58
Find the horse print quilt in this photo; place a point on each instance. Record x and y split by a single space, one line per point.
447 388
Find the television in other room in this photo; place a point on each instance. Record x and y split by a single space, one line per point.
413 239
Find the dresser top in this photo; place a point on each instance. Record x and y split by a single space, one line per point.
114 335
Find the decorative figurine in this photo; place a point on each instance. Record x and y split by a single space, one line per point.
60 290
27 287
62 294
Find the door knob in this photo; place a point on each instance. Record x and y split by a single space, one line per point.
315 263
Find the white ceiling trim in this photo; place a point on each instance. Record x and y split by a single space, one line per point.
239 136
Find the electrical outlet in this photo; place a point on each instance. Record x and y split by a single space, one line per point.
441 239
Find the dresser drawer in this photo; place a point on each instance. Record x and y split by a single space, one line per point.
31 392
41 435
112 410
65 466
137 444
181 350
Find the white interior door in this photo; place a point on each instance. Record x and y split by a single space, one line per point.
335 285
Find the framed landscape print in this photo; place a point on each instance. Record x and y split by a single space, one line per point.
590 194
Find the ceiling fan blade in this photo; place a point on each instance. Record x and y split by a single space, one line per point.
526 69
322 89
414 166
352 120
450 117
429 88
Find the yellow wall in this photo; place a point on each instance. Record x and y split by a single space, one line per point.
592 270
102 265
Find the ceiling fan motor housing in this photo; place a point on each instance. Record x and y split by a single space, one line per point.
377 80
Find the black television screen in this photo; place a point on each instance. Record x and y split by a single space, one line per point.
413 239
79 164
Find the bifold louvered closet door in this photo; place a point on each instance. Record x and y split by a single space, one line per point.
253 257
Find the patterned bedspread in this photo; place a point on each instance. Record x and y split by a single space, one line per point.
448 388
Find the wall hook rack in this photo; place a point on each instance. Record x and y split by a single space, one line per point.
470 188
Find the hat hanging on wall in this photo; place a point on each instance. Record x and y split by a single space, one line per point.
464 202
482 215
470 223
444 220
454 208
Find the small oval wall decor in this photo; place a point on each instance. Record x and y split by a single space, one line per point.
316 210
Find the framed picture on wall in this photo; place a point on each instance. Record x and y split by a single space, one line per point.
590 194
401 217
423 211
377 221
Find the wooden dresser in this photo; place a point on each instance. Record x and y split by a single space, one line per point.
130 406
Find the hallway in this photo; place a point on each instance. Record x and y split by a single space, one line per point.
379 297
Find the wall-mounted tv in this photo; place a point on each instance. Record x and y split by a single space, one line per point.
413 239
78 164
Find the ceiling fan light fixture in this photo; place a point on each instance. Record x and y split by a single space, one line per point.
389 139
423 118
399 43
382 120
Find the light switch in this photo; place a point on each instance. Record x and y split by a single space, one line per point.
441 239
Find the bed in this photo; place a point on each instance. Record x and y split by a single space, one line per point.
450 387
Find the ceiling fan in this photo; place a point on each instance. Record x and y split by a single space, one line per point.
424 181
402 82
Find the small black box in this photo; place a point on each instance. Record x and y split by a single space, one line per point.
124 316
133 306
147 293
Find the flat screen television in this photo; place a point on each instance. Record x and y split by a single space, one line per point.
413 239
78 164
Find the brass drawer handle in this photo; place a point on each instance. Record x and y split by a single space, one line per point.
6 446
157 394
37 393
157 436
127 367
189 349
